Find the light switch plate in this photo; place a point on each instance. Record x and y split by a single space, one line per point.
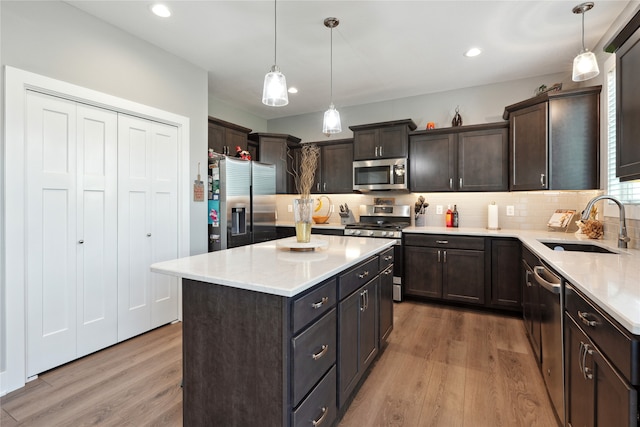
289 208
438 209
510 210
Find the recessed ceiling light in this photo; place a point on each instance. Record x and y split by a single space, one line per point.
474 51
293 90
161 10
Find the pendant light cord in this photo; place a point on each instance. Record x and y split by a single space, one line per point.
583 12
275 32
331 73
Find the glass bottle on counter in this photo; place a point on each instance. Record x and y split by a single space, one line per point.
456 218
449 217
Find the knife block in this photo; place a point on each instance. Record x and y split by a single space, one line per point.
346 218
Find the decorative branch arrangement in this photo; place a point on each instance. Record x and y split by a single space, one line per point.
305 175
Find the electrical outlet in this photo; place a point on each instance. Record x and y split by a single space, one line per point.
289 208
439 210
510 210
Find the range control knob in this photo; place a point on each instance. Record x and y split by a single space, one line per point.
384 233
357 232
370 233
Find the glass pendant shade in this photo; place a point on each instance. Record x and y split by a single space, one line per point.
274 92
331 123
585 66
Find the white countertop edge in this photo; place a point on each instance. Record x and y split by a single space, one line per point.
565 263
178 268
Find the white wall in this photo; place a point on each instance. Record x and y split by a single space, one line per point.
482 104
223 111
56 40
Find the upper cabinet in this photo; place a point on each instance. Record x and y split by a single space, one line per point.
554 141
626 45
386 140
335 166
273 148
224 137
465 158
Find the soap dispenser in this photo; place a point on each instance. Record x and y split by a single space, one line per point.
449 217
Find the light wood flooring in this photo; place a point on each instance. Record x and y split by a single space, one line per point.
442 367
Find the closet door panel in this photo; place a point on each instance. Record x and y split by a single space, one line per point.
134 225
164 289
97 279
51 232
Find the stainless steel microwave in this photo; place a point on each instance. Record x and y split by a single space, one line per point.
380 174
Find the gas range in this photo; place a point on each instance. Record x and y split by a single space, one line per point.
385 221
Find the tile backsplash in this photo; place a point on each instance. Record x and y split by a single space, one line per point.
532 209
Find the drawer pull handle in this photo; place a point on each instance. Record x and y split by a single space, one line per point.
388 258
321 419
320 303
584 317
442 242
364 274
388 271
321 353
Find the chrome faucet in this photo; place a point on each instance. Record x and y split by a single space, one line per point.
622 234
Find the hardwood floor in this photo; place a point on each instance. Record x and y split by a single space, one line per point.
442 367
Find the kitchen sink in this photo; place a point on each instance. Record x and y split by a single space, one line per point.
577 247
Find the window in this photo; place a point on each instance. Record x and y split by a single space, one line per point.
627 192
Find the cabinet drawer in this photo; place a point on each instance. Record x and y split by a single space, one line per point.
385 259
444 241
312 305
314 351
319 408
617 344
357 276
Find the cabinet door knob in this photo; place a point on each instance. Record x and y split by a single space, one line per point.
381 150
460 183
376 152
81 241
363 274
320 303
542 180
148 234
321 419
321 353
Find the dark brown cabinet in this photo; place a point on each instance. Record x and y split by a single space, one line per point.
602 364
531 303
224 137
386 140
385 296
445 267
506 289
358 322
334 172
554 141
273 148
626 46
467 158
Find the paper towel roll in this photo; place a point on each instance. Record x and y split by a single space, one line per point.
492 223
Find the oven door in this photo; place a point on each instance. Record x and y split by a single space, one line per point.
384 174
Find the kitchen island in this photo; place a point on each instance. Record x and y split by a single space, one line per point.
279 337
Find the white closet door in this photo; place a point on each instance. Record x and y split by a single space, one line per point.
97 228
51 232
134 225
164 225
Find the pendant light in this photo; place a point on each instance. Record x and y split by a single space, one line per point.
331 123
585 65
274 91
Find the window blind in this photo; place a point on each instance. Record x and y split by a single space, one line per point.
626 192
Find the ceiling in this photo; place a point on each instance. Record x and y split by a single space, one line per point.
382 50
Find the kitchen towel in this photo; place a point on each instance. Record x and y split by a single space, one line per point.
492 223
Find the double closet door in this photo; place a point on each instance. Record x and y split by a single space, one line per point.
87 270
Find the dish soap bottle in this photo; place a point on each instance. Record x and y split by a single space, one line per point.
449 217
455 216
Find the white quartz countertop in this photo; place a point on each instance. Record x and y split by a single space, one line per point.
612 281
269 268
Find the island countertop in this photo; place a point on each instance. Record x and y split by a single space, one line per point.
269 268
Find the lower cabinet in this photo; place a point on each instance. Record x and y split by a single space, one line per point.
358 333
531 303
445 267
505 274
602 367
286 361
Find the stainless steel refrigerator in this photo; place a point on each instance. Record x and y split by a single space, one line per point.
242 203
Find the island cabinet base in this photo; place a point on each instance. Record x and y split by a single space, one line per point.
235 347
